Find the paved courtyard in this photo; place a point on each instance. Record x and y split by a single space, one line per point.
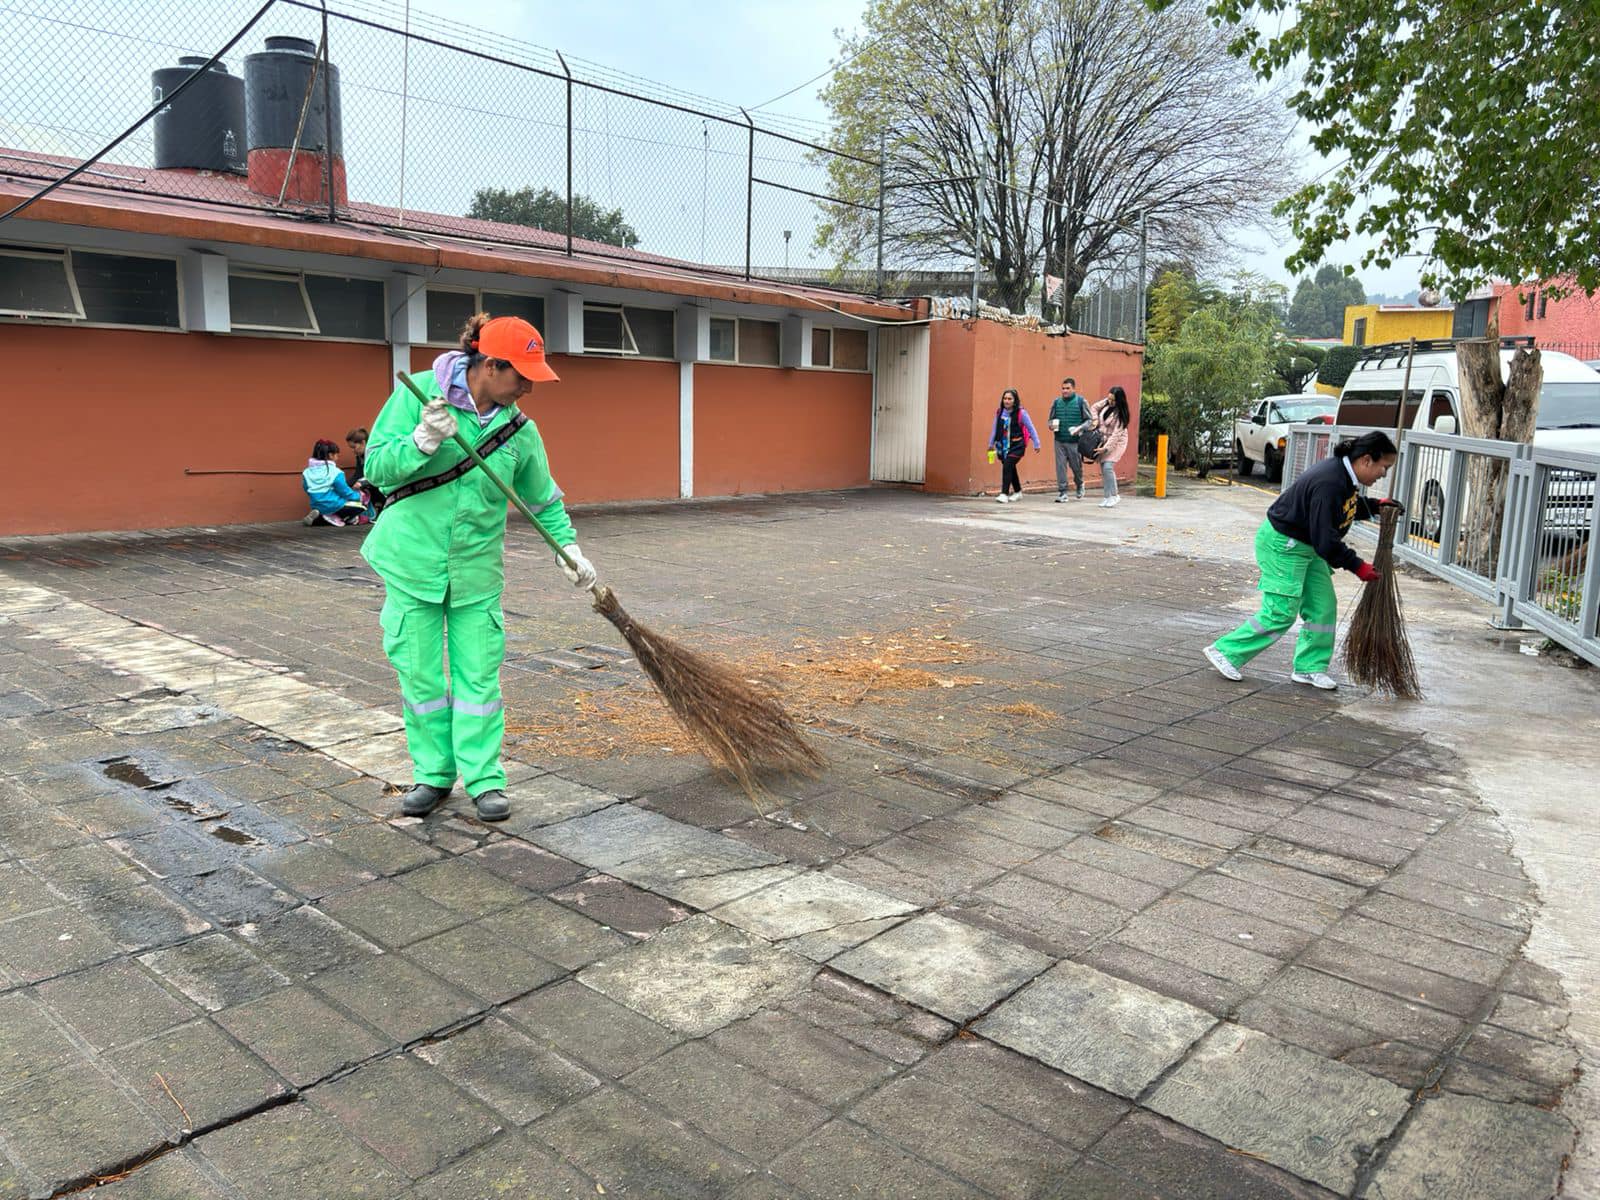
1081 919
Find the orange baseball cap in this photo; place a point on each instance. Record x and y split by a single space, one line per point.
518 343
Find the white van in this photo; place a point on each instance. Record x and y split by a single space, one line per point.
1568 417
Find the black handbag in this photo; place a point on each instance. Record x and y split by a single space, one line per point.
1089 443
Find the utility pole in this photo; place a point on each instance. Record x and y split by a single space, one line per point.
977 240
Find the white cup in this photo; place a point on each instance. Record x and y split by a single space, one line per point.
1055 424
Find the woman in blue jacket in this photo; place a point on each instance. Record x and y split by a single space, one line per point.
1009 439
332 498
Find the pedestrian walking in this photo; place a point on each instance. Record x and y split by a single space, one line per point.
440 551
1067 413
1110 418
1297 547
1013 430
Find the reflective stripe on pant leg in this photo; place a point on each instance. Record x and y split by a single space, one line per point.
413 640
1319 609
1282 573
477 647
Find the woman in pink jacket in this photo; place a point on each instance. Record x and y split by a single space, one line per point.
1111 418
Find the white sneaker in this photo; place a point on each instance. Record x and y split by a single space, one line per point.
1062 498
1002 498
1105 504
1219 660
1317 680
1114 501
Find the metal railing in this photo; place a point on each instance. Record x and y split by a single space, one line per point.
1509 523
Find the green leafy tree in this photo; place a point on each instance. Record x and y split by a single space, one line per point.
1319 303
1046 132
545 209
1221 360
1294 363
1458 128
1338 364
1173 297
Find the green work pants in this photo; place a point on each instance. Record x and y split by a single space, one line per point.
1295 581
454 724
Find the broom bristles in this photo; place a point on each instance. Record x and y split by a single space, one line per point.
1376 650
738 723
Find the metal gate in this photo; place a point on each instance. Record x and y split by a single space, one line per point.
900 405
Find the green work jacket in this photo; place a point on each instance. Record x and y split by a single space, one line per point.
450 540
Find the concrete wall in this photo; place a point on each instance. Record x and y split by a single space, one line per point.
1386 324
971 364
1570 324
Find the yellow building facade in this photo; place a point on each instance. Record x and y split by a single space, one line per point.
1374 324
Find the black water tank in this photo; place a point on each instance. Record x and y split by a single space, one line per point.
275 81
204 128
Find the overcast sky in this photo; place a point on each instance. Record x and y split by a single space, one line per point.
744 52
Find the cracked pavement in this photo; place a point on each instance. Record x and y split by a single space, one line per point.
1174 937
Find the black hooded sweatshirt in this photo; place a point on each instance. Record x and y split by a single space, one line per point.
1319 508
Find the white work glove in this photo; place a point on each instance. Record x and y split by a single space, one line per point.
585 575
437 425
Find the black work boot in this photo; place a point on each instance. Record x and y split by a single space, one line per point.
422 799
492 805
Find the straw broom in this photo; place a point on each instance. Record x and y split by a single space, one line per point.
737 722
1376 651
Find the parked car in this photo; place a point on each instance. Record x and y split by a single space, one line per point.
1568 419
1262 435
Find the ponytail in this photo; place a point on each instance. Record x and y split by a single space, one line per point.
469 339
1374 444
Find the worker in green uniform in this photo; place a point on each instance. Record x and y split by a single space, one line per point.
1297 547
439 547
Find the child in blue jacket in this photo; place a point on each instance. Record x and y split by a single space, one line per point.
333 500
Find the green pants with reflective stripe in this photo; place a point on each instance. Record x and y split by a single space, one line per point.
1294 582
454 724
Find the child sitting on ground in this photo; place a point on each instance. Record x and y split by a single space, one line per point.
333 500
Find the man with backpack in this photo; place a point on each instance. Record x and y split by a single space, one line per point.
1067 413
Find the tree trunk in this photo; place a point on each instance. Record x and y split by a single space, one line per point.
1492 408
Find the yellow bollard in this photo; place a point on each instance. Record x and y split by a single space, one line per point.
1161 466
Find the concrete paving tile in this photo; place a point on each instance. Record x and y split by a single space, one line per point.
1216 996
113 1004
1441 923
89 869
408 1112
31 1041
1481 967
511 1165
179 1175
1179 1163
231 896
1318 1119
305 941
619 905
554 933
295 1151
175 850
1307 858
947 966
1388 1015
22 892
596 1031
550 799
846 1160
968 1139
1229 960
214 971
1133 862
1125 893
1551 1064
483 962
1464 1147
1400 1063
1322 1034
1056 1105
1531 1018
646 848
812 1061
1231 925
1408 982
698 975
74 1122
143 918
727 1101
302 1038
1308 916
310 869
1474 1079
382 849
528 866
390 913
51 942
626 1147
707 892
1096 1027
396 997
463 885
508 1071
195 1077
809 903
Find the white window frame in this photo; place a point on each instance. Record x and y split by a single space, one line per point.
82 321
630 349
734 361
827 329
833 351
49 254
476 293
299 279
738 342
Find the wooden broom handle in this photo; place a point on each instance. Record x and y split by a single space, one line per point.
473 454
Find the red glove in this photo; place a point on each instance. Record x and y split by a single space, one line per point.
1368 573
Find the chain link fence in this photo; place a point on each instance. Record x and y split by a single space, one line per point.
365 113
